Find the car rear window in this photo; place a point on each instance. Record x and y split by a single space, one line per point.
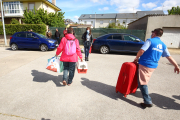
23 35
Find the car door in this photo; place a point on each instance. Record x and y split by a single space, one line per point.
131 43
115 42
32 40
20 39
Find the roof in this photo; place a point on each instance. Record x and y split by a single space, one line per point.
126 15
144 13
136 15
68 20
102 16
151 15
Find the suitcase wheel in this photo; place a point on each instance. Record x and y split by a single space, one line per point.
125 96
116 91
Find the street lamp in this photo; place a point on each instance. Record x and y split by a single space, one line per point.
2 15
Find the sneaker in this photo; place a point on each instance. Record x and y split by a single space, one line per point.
146 105
64 83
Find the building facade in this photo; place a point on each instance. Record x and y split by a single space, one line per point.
103 20
16 8
169 23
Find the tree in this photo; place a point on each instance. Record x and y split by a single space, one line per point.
41 16
14 21
174 11
118 26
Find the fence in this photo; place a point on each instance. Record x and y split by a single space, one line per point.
99 32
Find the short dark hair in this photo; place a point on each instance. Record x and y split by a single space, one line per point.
70 30
158 32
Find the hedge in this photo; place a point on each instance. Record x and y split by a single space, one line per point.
13 28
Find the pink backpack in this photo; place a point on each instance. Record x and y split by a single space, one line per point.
70 48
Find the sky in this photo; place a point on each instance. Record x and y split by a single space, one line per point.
74 8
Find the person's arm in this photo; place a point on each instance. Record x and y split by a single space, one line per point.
78 50
142 50
172 61
60 47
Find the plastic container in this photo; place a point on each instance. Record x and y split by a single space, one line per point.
82 67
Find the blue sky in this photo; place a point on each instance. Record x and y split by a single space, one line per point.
74 8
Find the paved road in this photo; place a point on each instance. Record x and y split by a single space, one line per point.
30 92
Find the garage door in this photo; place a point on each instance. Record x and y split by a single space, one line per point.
171 37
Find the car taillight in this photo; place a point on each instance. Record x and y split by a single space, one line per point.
94 40
10 38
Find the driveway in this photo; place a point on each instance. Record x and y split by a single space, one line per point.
30 92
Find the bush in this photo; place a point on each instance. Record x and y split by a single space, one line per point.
13 28
14 21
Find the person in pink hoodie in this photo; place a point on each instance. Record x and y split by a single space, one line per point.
69 61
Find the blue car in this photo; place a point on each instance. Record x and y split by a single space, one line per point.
32 40
117 42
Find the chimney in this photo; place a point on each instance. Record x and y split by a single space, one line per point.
54 2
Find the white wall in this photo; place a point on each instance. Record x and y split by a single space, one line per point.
48 8
105 22
88 22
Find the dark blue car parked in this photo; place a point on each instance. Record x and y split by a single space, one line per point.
32 40
117 42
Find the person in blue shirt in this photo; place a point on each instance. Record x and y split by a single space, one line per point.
148 57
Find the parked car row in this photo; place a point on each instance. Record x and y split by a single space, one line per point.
117 42
32 40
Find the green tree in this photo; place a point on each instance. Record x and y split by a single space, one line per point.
118 26
14 21
174 11
41 16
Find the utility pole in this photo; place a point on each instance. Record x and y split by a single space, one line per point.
95 21
2 16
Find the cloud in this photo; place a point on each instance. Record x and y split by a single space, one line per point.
105 8
76 17
126 5
149 5
168 4
100 1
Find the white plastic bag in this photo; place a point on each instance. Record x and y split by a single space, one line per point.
53 64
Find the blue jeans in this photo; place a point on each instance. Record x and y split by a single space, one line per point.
144 91
69 67
58 40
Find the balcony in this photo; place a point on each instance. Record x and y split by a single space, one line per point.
13 13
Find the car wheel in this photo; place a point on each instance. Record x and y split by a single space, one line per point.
104 50
14 47
43 47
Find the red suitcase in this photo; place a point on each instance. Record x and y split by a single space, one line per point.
127 80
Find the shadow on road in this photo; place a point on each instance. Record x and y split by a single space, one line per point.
109 91
106 90
44 77
161 101
176 97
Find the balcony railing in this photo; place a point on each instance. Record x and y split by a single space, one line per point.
12 13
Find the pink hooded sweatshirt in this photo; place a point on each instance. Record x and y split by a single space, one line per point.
61 48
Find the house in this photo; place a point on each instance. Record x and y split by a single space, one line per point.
169 23
68 21
103 20
16 8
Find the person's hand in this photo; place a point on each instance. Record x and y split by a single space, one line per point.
136 60
81 60
176 69
56 55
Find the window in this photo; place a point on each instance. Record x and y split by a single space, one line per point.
117 37
130 38
91 22
101 21
31 6
110 37
85 22
124 21
13 7
30 35
23 35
